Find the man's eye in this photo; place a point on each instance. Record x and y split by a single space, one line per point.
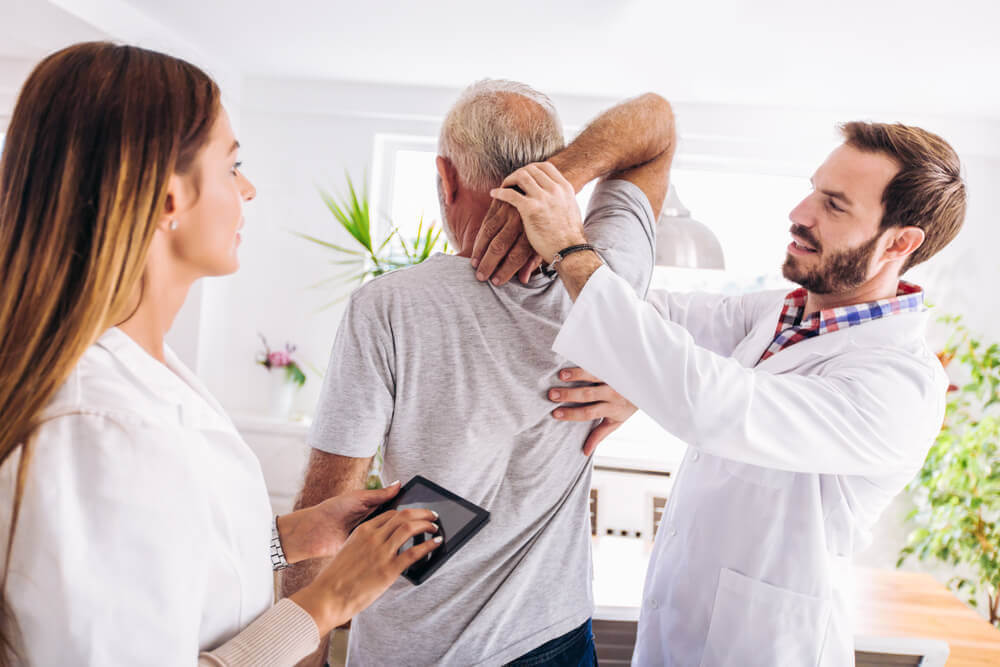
236 167
830 204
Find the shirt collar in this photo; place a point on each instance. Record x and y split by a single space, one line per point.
172 382
794 326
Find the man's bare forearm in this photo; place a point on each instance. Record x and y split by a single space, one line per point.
630 134
327 475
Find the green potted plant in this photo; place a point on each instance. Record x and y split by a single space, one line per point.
957 492
370 258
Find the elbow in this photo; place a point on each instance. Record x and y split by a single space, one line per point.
657 101
663 116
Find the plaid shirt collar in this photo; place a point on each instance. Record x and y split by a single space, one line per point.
793 327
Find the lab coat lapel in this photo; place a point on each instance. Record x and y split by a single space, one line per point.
825 345
761 336
750 349
189 378
172 384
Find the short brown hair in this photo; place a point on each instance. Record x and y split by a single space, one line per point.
928 192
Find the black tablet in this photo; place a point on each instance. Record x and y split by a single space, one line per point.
458 520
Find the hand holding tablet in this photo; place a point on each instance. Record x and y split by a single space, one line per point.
458 521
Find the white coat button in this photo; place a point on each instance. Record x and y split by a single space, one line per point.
673 531
654 604
694 456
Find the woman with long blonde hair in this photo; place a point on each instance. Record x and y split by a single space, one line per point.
137 521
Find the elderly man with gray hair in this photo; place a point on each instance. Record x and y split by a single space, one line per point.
448 375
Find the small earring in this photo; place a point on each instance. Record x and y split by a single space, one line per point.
173 224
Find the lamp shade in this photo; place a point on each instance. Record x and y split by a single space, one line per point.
684 242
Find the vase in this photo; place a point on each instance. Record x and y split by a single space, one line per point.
282 394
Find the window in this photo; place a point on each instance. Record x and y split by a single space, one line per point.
414 195
748 212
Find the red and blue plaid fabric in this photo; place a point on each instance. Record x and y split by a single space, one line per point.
793 327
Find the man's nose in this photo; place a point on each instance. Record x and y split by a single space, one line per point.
803 214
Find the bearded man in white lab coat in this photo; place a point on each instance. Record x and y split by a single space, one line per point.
805 413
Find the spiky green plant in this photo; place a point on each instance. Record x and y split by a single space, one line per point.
369 260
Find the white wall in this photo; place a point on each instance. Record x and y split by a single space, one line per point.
13 71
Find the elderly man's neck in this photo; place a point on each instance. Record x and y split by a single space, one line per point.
465 217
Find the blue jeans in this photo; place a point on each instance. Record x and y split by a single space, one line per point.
573 649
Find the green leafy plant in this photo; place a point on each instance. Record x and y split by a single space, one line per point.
370 258
957 492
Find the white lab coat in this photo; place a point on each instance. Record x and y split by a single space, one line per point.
789 463
145 526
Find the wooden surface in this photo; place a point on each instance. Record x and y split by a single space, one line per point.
889 603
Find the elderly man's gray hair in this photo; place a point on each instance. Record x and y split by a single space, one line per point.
496 127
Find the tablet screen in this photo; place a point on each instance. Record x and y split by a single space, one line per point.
452 517
458 521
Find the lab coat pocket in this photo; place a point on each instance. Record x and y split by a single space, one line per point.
754 623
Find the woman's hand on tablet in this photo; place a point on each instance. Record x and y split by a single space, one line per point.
366 566
321 530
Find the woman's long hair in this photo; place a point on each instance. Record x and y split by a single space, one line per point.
97 131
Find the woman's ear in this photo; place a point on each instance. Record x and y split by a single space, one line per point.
172 204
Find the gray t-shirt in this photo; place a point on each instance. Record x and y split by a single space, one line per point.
451 375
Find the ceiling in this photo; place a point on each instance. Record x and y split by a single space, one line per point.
878 55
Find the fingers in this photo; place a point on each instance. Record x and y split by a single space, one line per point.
375 497
577 375
588 394
405 531
544 180
495 220
415 553
406 516
512 197
583 413
526 178
519 256
599 433
378 522
524 275
509 244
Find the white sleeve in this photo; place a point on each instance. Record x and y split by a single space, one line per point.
105 562
873 418
716 322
